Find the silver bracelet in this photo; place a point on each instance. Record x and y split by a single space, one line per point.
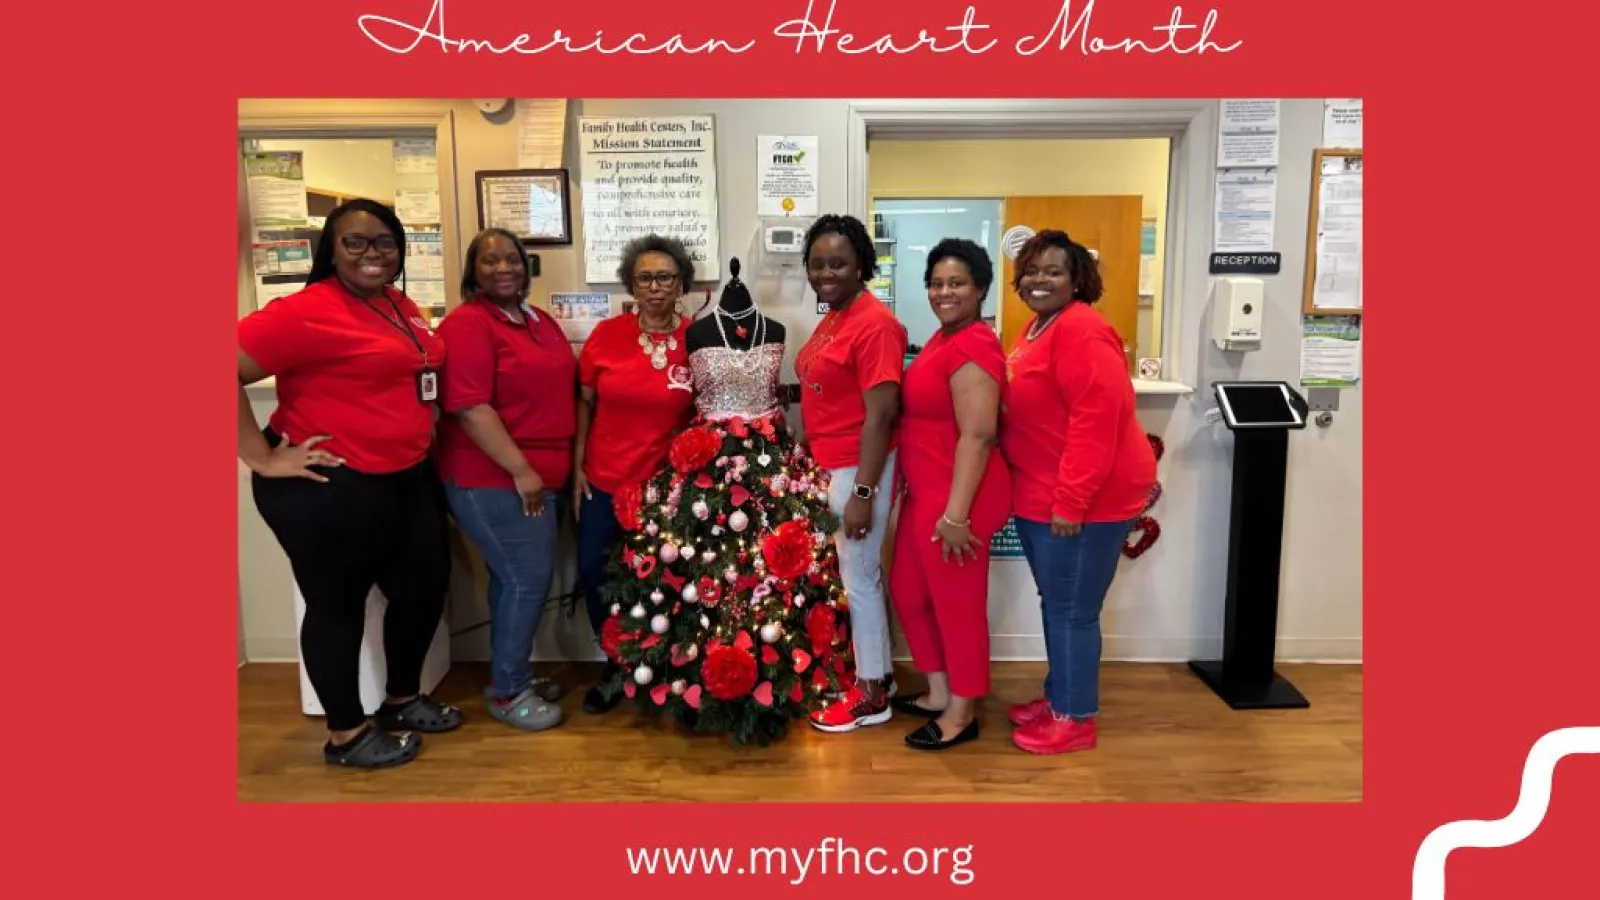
946 519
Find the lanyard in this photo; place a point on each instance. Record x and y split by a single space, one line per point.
398 322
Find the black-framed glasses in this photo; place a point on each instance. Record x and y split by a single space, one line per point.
358 243
664 279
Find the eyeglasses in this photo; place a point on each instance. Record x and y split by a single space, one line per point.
645 279
358 243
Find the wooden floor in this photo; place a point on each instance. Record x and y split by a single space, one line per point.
1164 738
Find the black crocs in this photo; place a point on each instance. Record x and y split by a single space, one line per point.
374 749
420 713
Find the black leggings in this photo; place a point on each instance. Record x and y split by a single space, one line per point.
344 537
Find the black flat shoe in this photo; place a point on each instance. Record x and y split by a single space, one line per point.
909 706
931 737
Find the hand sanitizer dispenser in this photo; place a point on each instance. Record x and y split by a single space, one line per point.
1236 313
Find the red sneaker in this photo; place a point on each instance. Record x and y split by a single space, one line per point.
1030 712
1054 735
852 711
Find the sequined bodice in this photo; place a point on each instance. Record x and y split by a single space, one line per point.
730 382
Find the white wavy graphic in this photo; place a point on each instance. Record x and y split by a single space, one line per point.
1538 772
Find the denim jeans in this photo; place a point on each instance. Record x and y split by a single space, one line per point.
861 570
598 532
520 553
1073 575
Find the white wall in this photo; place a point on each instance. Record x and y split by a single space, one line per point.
1165 605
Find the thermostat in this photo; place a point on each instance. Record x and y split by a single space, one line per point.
784 239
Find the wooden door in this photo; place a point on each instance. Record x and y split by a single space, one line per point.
1109 226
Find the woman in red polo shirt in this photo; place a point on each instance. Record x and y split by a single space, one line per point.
957 494
849 373
505 452
342 477
1082 471
636 393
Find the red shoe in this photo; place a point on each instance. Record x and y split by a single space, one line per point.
1030 712
1054 735
851 712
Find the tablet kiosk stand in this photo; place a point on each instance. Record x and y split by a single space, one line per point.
1260 415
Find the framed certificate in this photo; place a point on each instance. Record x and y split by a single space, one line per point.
533 204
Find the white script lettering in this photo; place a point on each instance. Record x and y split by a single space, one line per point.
433 30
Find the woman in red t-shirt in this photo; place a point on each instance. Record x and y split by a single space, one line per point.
505 451
849 373
342 477
1082 471
635 394
956 495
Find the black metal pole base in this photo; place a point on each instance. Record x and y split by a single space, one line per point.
1275 694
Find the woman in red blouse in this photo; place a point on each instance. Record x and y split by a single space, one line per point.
636 393
956 495
849 373
342 477
505 452
1082 471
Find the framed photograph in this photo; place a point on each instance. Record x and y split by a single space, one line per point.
533 204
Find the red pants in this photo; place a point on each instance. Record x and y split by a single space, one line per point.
943 607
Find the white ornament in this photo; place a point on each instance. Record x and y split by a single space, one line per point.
691 593
643 675
616 608
660 624
716 531
652 529
708 557
730 575
799 601
692 651
760 564
652 494
669 552
738 521
770 632
704 623
638 611
763 459
657 597
700 509
687 552
678 687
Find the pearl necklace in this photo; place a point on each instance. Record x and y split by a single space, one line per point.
747 360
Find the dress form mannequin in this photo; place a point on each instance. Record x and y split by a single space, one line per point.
735 322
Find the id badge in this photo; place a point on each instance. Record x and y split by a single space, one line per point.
427 385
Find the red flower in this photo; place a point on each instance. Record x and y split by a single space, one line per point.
626 503
693 449
820 629
612 638
728 672
787 549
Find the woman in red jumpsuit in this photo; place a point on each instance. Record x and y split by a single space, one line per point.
956 495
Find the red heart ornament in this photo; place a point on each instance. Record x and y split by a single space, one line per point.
1148 530
680 656
763 693
658 694
798 692
802 659
738 495
692 697
769 655
628 688
743 641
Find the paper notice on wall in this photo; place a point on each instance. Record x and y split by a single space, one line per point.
425 267
282 257
1247 133
417 206
277 183
1338 250
578 314
541 133
1246 210
1341 124
415 156
1330 351
272 287
787 175
644 174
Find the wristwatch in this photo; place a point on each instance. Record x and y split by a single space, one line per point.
865 491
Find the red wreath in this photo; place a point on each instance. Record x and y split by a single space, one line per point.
693 449
1149 530
728 672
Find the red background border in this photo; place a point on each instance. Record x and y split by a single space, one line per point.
120 442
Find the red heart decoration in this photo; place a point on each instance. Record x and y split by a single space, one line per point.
628 688
692 696
743 641
1149 530
703 481
802 659
739 495
763 693
769 655
658 694
798 692
680 657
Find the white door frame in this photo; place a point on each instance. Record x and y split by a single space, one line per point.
1190 124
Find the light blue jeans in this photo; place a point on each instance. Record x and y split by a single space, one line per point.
520 553
861 569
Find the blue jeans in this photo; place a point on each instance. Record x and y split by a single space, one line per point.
520 553
598 532
1073 575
